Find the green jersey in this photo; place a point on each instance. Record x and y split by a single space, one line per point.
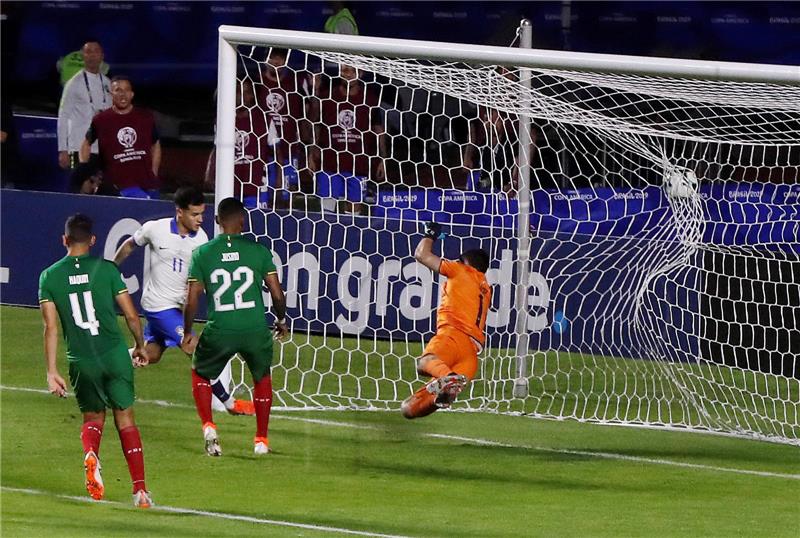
84 288
232 267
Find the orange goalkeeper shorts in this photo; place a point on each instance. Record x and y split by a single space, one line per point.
456 349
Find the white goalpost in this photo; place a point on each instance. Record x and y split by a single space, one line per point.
642 215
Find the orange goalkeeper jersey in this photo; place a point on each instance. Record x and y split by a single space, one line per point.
466 298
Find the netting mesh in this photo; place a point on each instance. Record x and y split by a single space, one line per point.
664 276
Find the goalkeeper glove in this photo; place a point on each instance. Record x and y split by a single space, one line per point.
434 231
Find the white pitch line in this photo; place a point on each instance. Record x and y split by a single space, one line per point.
615 456
488 442
204 513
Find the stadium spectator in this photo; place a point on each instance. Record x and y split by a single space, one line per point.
69 64
250 148
130 152
341 21
350 140
491 155
86 93
88 179
282 95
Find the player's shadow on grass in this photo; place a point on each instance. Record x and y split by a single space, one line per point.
523 476
704 454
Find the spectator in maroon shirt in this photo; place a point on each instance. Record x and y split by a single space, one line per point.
250 151
282 95
130 152
350 138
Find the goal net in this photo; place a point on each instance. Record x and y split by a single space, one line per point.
643 231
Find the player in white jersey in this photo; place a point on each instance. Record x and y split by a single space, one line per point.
170 243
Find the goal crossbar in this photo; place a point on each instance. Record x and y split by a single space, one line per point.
532 58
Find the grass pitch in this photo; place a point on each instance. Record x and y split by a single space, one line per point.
373 473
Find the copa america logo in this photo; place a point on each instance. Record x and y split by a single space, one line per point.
275 102
347 119
127 137
241 139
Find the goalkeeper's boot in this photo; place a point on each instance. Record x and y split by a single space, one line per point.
211 439
94 482
436 385
261 446
142 499
448 388
242 407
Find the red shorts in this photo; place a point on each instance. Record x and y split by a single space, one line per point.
456 349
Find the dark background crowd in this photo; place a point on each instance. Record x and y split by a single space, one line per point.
164 57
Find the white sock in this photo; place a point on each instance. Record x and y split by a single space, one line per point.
223 399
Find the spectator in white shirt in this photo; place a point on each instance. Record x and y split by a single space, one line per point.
85 94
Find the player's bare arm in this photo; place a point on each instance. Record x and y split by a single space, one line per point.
424 252
124 250
189 341
155 152
125 304
55 383
85 152
278 304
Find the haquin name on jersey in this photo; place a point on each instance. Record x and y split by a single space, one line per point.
78 279
230 256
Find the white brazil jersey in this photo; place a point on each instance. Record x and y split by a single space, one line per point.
170 254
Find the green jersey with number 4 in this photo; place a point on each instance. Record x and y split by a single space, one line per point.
84 288
232 267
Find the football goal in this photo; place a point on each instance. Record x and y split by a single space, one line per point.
642 217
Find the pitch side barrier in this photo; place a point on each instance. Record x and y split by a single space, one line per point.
363 280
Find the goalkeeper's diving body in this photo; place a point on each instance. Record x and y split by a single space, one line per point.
451 356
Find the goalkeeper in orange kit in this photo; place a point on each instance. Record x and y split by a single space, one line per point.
451 356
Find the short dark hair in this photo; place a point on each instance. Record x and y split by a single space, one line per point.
121 78
78 228
477 258
83 172
230 207
91 40
186 196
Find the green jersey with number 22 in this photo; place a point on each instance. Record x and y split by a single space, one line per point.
232 268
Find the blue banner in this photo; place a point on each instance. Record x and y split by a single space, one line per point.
37 153
616 291
734 213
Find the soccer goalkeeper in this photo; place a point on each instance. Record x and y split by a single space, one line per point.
451 357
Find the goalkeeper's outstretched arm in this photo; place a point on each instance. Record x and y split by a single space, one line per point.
424 252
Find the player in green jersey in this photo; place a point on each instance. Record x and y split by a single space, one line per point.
230 268
81 290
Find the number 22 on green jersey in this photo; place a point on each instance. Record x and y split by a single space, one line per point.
224 278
